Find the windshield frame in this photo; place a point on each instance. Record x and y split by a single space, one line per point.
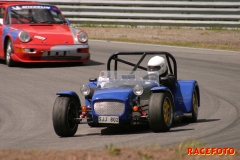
113 79
19 14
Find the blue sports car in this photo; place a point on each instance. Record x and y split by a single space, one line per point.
152 95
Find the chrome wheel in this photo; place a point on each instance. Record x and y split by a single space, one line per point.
9 52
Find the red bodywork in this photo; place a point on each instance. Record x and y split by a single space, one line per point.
48 42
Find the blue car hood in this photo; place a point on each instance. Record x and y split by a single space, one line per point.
112 93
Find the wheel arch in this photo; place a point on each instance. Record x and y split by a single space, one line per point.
183 94
163 90
69 94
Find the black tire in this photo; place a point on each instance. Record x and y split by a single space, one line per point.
160 121
65 109
194 106
9 51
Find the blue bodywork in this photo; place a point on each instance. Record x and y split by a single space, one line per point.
12 32
124 95
181 94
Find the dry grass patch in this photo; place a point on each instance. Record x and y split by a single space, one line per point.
190 37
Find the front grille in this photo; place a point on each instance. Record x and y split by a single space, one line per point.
109 108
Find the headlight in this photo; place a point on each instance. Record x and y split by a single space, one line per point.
85 90
82 37
24 36
138 90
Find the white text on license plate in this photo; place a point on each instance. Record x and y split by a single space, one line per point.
108 119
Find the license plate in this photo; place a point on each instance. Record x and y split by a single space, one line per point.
108 119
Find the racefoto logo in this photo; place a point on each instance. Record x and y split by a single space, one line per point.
210 151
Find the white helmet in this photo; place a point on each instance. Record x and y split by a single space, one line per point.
157 63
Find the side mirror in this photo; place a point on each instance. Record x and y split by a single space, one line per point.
68 21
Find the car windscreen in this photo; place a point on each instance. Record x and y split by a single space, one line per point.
111 79
23 14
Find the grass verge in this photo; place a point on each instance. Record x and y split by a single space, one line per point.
221 39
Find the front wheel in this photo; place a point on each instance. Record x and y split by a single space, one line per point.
65 110
160 112
9 51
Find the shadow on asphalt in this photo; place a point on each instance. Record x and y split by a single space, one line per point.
55 64
142 128
185 122
132 129
83 135
180 130
207 120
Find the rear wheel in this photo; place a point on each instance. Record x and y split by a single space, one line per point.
9 51
194 112
65 110
194 106
160 112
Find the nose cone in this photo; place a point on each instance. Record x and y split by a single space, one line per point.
113 93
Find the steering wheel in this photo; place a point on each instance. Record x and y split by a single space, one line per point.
151 76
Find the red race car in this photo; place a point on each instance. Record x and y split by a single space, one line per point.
35 32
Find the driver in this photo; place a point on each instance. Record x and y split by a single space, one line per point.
157 63
30 15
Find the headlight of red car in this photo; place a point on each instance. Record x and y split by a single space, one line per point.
24 36
82 37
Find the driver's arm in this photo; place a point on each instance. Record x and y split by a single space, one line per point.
168 81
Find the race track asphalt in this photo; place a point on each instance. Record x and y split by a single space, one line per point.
27 94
